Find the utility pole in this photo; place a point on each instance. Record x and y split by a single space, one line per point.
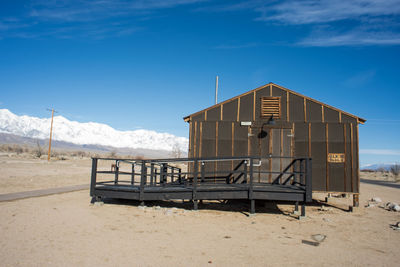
216 90
51 132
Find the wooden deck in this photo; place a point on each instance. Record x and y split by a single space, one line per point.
204 191
162 180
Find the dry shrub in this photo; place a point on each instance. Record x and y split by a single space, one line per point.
381 169
112 154
38 152
12 148
395 170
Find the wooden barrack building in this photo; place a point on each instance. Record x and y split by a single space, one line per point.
273 120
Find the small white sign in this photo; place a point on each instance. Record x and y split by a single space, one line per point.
245 123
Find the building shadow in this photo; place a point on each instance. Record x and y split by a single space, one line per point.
240 206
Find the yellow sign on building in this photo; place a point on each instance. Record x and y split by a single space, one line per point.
336 157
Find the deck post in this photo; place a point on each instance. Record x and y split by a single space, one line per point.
356 200
152 174
194 194
116 171
162 173
245 172
202 171
94 176
252 206
252 201
133 174
296 208
172 174
142 180
301 163
308 197
303 210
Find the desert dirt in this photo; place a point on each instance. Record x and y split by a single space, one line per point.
67 230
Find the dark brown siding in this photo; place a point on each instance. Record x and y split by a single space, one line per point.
318 152
348 119
246 108
331 115
214 114
301 139
296 108
259 94
230 111
279 92
224 144
213 133
199 117
313 111
336 145
348 176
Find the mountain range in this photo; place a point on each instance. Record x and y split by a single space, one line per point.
67 133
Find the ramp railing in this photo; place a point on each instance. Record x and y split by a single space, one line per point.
193 172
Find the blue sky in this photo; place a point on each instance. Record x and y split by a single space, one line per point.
147 64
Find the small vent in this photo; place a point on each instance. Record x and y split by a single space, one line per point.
271 106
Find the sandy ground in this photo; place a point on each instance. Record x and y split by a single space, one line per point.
66 230
19 173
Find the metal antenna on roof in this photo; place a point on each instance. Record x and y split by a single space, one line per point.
216 90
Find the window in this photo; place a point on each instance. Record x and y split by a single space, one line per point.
271 106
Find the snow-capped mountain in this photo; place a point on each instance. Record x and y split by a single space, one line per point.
89 133
377 166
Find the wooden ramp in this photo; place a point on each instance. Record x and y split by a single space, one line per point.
201 179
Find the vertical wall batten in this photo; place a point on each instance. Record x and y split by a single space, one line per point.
238 109
270 152
357 162
281 151
345 156
287 106
340 117
254 105
292 144
270 90
309 139
259 153
305 110
216 151
248 140
195 139
352 156
222 112
205 115
322 113
233 143
190 138
326 156
201 139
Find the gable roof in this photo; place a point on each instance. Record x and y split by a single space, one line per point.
360 120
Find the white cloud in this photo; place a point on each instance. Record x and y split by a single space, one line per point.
81 11
356 22
351 38
387 152
332 22
322 11
83 18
